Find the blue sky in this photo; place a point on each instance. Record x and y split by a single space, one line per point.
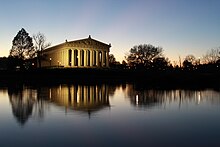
181 27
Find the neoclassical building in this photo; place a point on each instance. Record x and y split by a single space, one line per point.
87 52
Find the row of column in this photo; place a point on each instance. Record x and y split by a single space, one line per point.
88 58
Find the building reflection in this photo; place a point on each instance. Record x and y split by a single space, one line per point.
35 102
85 98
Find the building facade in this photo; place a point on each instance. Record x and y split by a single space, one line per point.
88 53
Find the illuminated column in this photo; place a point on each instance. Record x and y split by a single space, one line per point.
85 58
94 58
97 58
72 62
91 58
73 57
64 55
79 57
61 57
107 59
103 59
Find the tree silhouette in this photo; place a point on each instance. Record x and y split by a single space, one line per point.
189 62
40 46
160 63
22 46
187 65
112 60
143 54
212 56
191 58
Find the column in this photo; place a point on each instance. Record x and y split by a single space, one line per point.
107 59
85 58
97 58
62 61
73 62
79 57
91 58
103 59
88 58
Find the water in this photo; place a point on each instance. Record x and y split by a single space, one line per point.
108 115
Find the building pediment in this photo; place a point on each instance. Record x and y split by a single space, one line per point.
87 43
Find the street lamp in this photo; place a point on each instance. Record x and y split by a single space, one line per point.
50 62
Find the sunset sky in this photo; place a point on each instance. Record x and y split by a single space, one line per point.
181 27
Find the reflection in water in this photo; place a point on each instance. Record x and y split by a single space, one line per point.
35 102
84 98
22 101
79 97
153 97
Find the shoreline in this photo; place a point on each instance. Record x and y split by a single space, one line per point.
145 78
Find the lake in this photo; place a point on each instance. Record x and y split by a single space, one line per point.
108 115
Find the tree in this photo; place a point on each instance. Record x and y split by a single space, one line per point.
189 62
160 63
112 60
212 56
40 46
187 65
124 64
22 46
191 59
143 54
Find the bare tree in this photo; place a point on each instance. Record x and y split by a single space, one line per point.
191 59
40 45
212 56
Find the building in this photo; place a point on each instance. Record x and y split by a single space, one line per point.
87 52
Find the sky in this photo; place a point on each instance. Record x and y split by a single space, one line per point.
180 27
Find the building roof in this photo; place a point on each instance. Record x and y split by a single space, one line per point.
82 43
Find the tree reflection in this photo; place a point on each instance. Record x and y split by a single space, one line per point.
22 101
148 98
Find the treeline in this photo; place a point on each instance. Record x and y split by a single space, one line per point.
27 53
151 58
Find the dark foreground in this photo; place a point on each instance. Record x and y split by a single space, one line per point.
146 78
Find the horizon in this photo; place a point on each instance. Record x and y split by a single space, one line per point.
179 27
